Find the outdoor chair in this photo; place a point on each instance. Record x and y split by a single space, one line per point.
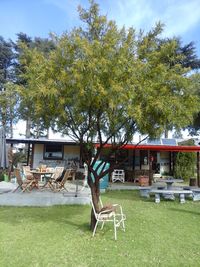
24 185
109 213
118 175
60 184
26 171
55 176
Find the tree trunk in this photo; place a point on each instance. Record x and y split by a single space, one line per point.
95 199
92 220
166 133
28 128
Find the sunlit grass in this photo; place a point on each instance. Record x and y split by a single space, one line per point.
165 234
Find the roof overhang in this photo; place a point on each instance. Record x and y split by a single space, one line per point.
39 141
159 148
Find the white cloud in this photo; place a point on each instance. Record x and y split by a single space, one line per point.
179 16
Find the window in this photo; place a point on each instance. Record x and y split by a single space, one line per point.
53 151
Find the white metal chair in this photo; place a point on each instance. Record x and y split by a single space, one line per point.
118 175
109 213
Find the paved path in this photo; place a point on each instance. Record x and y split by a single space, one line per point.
42 197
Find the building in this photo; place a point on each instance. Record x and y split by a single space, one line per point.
154 156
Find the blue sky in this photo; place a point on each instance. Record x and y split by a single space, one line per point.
39 17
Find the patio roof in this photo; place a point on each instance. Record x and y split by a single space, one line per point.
176 148
148 146
164 148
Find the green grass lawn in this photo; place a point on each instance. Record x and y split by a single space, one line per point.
165 234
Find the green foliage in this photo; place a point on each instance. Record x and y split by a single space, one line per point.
185 165
18 157
104 83
194 128
27 105
8 96
109 82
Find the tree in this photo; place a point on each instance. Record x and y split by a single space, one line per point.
37 128
186 56
102 84
8 96
194 128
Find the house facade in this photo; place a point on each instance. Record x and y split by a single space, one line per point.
155 157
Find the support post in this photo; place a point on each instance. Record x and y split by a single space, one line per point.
28 155
198 170
150 167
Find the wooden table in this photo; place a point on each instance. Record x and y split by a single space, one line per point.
37 176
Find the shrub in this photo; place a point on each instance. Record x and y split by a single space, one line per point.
185 165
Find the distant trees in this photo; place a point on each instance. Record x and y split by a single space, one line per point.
186 56
34 128
8 95
194 127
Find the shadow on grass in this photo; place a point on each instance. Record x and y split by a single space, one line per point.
56 214
123 195
185 211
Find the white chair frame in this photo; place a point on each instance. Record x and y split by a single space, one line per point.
114 214
118 175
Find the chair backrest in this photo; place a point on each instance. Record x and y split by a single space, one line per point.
69 173
18 176
57 173
118 173
26 171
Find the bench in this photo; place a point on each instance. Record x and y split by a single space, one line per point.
171 193
144 191
196 194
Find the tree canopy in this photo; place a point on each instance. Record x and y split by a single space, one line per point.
103 84
101 81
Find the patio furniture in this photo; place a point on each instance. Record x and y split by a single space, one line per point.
109 213
24 185
196 194
170 192
118 175
50 180
27 172
37 176
60 184
170 181
145 191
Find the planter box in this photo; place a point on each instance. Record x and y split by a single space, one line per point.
144 180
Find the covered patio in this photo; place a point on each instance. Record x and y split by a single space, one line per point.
152 159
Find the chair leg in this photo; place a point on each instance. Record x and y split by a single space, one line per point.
115 228
16 189
95 228
123 224
102 225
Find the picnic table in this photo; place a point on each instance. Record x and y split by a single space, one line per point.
170 181
170 192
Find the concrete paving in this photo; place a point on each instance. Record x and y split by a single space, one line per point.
44 197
